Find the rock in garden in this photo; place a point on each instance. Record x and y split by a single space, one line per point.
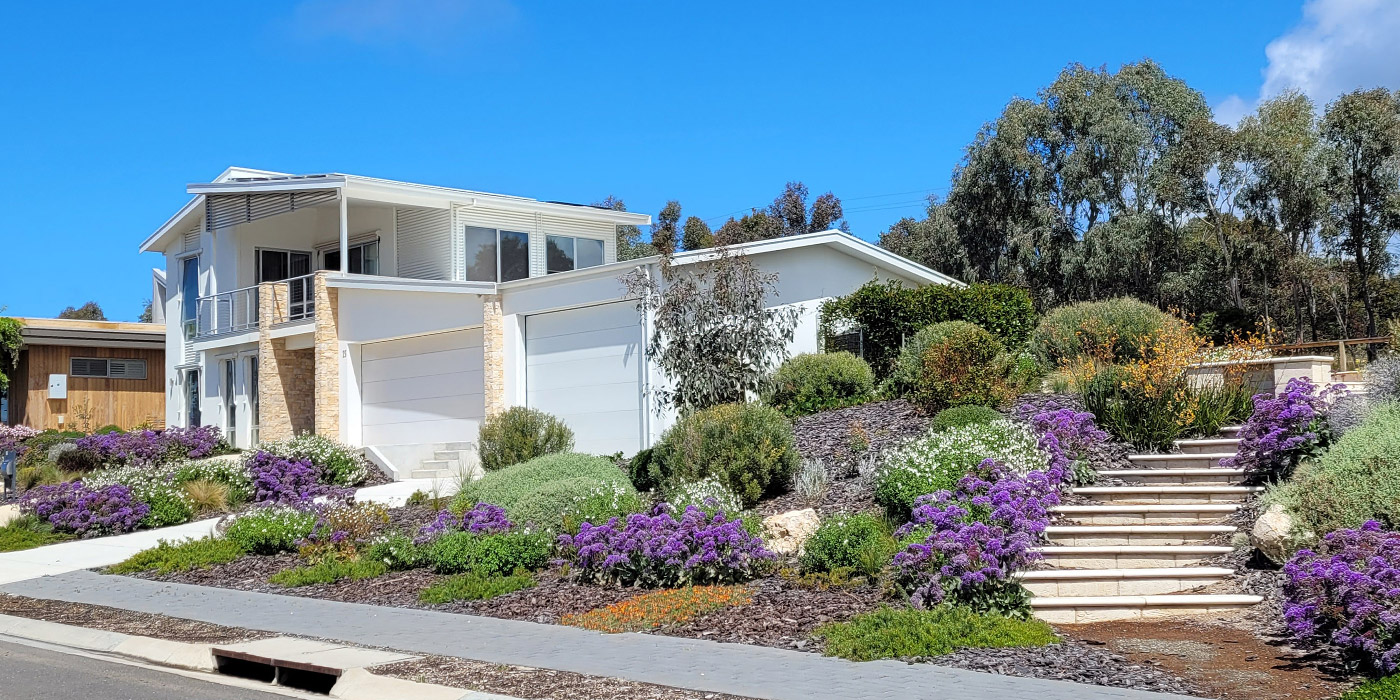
785 533
1272 532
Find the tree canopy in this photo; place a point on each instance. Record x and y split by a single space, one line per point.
87 312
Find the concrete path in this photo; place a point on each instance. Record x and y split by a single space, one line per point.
686 663
106 551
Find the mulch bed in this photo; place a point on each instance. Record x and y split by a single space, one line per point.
831 435
525 682
124 621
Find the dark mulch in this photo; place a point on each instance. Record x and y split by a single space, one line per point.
124 621
523 682
845 495
1069 660
830 435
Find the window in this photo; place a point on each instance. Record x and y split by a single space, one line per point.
278 265
564 253
364 258
253 399
189 287
230 405
496 256
192 418
102 368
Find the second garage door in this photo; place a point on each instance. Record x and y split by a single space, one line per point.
584 366
423 389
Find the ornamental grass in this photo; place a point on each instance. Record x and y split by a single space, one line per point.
653 610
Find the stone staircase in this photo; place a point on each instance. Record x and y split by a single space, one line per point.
1135 553
450 460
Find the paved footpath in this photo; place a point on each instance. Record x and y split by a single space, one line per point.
737 669
105 551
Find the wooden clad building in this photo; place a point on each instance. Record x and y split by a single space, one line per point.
82 375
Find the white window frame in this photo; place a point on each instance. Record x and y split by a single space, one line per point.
573 256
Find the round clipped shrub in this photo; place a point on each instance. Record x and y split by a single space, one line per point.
959 416
520 434
550 490
910 364
564 505
966 367
936 461
271 529
747 447
858 541
808 383
1122 327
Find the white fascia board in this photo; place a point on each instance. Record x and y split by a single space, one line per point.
159 274
394 191
607 270
408 284
195 204
314 183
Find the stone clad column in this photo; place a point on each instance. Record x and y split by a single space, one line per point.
494 352
327 354
274 420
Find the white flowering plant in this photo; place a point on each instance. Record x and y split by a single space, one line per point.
340 465
154 486
271 529
937 460
709 495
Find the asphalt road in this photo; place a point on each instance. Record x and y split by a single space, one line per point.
27 673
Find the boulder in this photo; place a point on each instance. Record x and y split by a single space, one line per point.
785 533
1272 533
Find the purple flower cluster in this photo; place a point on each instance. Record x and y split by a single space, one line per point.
1348 592
149 447
657 550
978 536
12 437
1283 429
284 481
76 508
482 519
1076 435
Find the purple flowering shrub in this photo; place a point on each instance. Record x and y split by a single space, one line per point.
149 447
288 481
341 530
1347 591
1071 438
482 519
1283 430
192 443
657 550
85 511
965 545
12 437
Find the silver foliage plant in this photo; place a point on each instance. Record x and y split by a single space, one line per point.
1383 378
712 334
811 481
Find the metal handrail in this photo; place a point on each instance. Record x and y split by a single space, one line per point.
301 298
227 312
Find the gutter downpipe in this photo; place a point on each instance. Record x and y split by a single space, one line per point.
646 367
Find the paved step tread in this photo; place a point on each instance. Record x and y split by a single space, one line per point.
1129 601
1163 572
1149 508
1139 529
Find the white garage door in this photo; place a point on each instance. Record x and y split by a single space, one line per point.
423 389
584 366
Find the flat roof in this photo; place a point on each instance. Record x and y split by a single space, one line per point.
85 333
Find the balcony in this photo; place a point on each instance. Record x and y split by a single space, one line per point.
238 311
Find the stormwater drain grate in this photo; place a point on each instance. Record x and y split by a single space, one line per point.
301 664
289 674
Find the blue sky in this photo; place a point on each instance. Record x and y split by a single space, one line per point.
109 109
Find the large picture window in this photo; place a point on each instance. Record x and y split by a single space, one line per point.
564 253
364 258
496 256
278 265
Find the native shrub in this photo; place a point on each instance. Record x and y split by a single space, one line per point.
975 538
659 550
79 509
660 608
709 495
277 479
1118 329
1347 591
27 532
341 530
336 464
395 550
13 437
857 541
962 416
1283 430
937 461
901 634
1387 688
1348 413
488 555
184 555
965 368
808 383
229 472
561 506
1382 378
904 375
34 450
474 586
271 529
553 492
328 571
520 434
747 447
482 519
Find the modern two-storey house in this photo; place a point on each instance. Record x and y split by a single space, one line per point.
397 316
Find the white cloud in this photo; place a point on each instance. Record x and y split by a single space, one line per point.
1339 46
433 25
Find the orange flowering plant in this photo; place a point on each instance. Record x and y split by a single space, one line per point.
666 607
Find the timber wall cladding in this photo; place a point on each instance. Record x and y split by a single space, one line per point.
125 403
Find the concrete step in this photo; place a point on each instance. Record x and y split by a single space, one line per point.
1172 460
1167 494
1127 535
452 455
1111 582
1072 610
1230 431
1218 476
442 464
459 446
1166 556
1208 445
1139 514
431 474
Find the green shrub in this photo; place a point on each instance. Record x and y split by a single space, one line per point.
340 464
1124 326
489 555
959 416
966 367
898 634
904 377
888 313
474 586
1387 688
270 529
1356 480
37 447
169 506
808 383
221 471
564 505
396 551
1149 423
747 447
709 495
525 489
329 571
858 541
77 460
27 532
936 461
107 429
521 434
184 555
